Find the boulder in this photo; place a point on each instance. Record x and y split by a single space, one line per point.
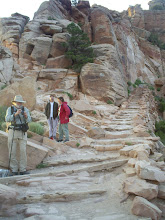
50 29
57 49
41 49
102 26
161 191
8 198
96 133
141 188
35 152
25 87
144 208
58 62
82 106
53 74
160 82
148 172
103 79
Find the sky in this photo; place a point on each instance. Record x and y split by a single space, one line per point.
29 7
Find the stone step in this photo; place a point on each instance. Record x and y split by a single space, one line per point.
117 134
69 169
73 159
59 196
117 127
130 140
104 148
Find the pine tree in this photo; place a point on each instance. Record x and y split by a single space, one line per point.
74 2
78 47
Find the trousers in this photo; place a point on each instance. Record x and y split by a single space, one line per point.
63 130
52 126
17 141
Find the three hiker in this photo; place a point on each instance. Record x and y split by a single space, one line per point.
51 112
17 117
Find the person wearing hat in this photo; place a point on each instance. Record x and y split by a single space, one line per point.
51 112
16 116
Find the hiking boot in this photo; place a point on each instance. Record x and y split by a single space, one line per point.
66 141
24 173
13 173
59 140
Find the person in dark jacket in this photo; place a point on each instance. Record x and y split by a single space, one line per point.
64 120
51 112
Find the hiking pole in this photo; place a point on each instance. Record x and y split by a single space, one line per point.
11 148
3 172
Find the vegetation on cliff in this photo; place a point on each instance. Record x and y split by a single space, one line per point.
153 38
78 47
160 130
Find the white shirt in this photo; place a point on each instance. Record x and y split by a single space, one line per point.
51 109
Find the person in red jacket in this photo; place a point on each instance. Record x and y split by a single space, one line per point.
64 120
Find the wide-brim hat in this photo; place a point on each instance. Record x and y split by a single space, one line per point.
18 98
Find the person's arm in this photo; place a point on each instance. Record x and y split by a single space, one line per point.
67 110
27 115
46 109
9 117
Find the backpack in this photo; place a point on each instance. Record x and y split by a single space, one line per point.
71 112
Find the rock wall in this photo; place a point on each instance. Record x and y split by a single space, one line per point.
122 51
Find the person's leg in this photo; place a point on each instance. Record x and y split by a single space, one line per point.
12 146
50 127
60 132
66 131
55 123
23 157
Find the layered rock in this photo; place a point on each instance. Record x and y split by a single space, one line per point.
104 79
10 31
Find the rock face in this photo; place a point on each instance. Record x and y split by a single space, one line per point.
103 79
11 30
25 87
8 198
6 65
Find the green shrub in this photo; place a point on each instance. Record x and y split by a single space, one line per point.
78 144
128 143
50 18
2 115
161 106
149 131
138 82
78 47
154 39
42 165
36 128
134 85
29 135
129 91
129 83
158 89
94 112
69 95
160 130
151 87
3 87
157 7
109 102
3 126
39 88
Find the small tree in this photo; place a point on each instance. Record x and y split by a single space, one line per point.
78 47
74 2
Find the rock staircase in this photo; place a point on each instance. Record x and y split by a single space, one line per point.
86 181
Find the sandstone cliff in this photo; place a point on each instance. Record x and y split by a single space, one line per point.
120 43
